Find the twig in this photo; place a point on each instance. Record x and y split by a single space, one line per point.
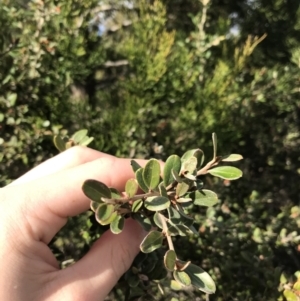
165 229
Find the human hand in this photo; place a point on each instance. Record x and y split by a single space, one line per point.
36 206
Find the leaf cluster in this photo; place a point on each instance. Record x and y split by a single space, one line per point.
157 199
79 138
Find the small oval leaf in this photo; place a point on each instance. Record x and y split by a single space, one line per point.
94 205
105 213
133 280
204 197
197 153
140 179
157 203
151 174
176 176
143 221
183 200
131 187
182 277
201 279
136 206
157 220
172 163
86 141
95 190
226 172
79 136
183 187
59 143
162 190
232 158
152 241
189 165
186 219
175 286
115 194
290 295
117 225
135 166
159 272
170 260
174 215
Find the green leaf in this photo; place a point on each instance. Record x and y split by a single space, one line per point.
186 219
151 174
152 241
226 172
140 179
115 194
86 141
157 220
136 206
204 197
117 225
131 187
175 286
232 158
59 143
95 190
133 280
290 295
94 205
189 165
197 153
162 190
69 144
149 264
79 136
296 285
135 166
143 221
183 187
139 259
135 292
172 163
183 200
174 215
105 213
178 229
170 260
200 279
157 203
182 277
176 176
159 272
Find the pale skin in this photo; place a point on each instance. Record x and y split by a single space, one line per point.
36 206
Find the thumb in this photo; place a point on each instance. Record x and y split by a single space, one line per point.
110 257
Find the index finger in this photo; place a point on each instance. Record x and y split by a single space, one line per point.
46 203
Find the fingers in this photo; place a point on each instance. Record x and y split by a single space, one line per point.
97 273
72 157
46 203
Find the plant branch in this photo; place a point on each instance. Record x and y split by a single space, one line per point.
133 198
209 165
165 229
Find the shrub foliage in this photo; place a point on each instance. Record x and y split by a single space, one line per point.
154 78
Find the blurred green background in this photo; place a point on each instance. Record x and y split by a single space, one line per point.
154 78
